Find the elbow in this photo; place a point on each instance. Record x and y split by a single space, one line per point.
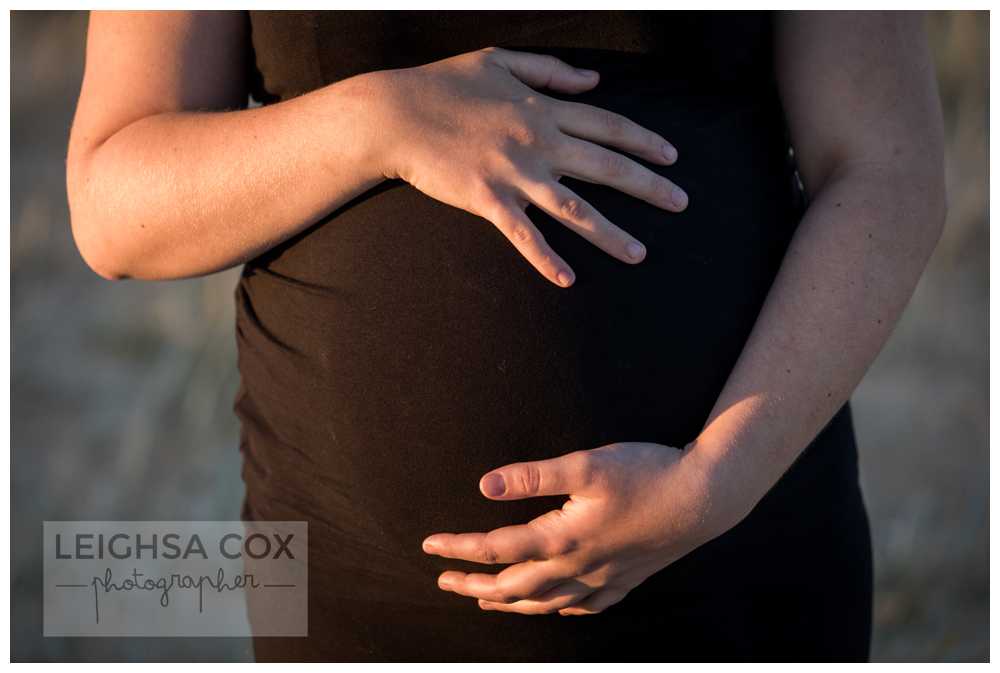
95 255
91 240
95 251
93 246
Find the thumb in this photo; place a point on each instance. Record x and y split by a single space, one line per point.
543 71
571 473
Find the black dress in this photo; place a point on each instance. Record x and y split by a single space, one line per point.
399 349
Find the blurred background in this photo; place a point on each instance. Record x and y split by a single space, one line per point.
122 392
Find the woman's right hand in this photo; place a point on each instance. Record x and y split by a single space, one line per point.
472 131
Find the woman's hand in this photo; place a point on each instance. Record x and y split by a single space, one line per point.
471 131
633 509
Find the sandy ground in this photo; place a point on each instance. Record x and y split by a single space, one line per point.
122 393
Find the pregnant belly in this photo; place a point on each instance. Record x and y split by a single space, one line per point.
400 349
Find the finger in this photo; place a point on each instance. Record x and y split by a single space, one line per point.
510 544
588 161
514 583
563 204
560 596
519 230
610 128
542 71
567 474
599 601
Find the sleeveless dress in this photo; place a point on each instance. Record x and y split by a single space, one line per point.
399 349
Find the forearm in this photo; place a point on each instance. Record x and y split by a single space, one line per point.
188 193
849 272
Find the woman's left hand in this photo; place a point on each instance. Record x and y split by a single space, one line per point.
633 509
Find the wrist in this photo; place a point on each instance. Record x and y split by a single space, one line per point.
358 107
381 98
729 495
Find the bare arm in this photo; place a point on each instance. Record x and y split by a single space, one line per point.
168 176
861 98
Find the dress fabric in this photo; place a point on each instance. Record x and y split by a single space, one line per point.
400 348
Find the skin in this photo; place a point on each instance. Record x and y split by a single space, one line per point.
164 160
861 97
148 173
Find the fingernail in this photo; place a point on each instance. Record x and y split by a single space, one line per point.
565 278
669 152
429 545
635 250
679 198
493 485
586 73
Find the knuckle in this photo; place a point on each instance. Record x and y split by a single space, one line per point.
529 478
487 552
551 62
615 165
521 232
613 122
524 135
547 261
572 208
489 52
530 126
589 467
590 567
570 544
485 59
561 546
505 594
